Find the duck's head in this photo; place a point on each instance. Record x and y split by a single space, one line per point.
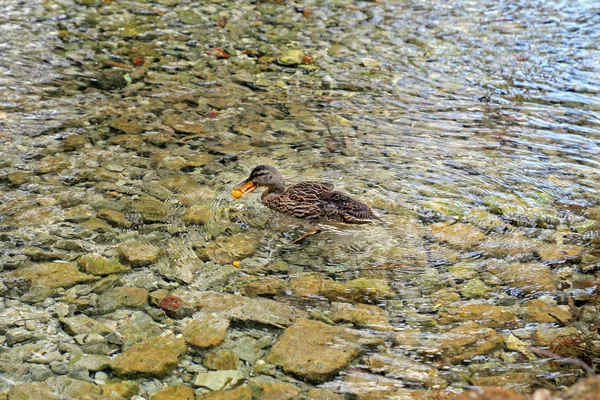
261 176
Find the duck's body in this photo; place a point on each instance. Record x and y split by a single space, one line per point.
307 200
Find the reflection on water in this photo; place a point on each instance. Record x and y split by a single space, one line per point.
471 127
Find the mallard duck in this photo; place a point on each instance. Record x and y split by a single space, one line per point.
312 201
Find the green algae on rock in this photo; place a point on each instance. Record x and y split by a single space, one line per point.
156 356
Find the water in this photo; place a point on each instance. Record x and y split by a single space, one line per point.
472 127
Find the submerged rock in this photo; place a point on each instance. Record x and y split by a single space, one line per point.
316 351
205 330
488 315
52 275
219 380
242 393
178 392
156 356
138 254
220 359
467 341
98 265
402 368
362 315
267 388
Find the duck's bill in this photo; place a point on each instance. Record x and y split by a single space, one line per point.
242 189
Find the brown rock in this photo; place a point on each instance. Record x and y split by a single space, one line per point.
459 235
316 351
156 356
362 315
126 125
198 214
530 278
467 341
52 275
539 311
584 389
268 388
324 394
125 389
226 250
178 392
206 330
176 307
82 324
556 252
138 254
485 314
98 265
220 359
33 390
258 286
404 369
114 218
522 381
242 393
489 394
307 286
357 290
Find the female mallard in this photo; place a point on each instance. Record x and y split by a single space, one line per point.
307 200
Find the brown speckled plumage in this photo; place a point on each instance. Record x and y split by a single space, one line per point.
308 200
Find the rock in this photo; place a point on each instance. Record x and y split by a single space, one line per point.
267 388
52 275
537 310
316 351
484 220
93 362
156 356
459 235
83 325
206 330
253 286
175 307
324 394
357 290
567 341
361 315
96 224
75 142
135 327
198 214
115 218
226 250
18 178
521 381
125 389
512 245
486 315
33 390
489 394
138 254
558 253
371 386
151 209
584 389
184 122
98 265
219 359
244 309
307 286
369 62
292 57
530 278
178 392
242 393
473 289
219 380
126 125
121 297
467 341
404 369
72 388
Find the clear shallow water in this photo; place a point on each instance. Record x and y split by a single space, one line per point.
429 112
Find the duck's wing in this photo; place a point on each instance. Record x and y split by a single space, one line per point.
349 210
304 200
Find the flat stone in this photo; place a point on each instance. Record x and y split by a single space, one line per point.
530 278
522 381
489 394
178 392
404 369
126 125
219 380
198 214
33 390
324 394
485 314
558 253
83 325
226 250
93 362
220 359
156 356
253 286
357 290
125 389
206 330
467 341
72 388
138 254
361 315
585 388
242 393
537 310
137 327
52 275
151 209
463 236
121 297
98 265
316 351
244 309
115 218
268 388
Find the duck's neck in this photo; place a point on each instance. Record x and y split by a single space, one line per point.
273 191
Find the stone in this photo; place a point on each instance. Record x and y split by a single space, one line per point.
537 310
98 265
151 209
316 351
463 236
33 390
489 394
267 388
253 286
96 224
115 218
176 307
404 369
521 381
324 394
242 393
565 341
178 392
219 380
52 275
18 178
220 359
530 278
136 327
307 286
558 253
206 330
93 362
584 389
124 388
72 388
485 314
126 125
138 254
357 290
198 214
467 341
292 57
473 289
156 356
121 297
244 309
226 250
361 315
83 325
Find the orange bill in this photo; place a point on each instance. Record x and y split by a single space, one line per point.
242 189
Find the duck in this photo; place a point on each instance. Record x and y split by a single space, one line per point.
312 201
